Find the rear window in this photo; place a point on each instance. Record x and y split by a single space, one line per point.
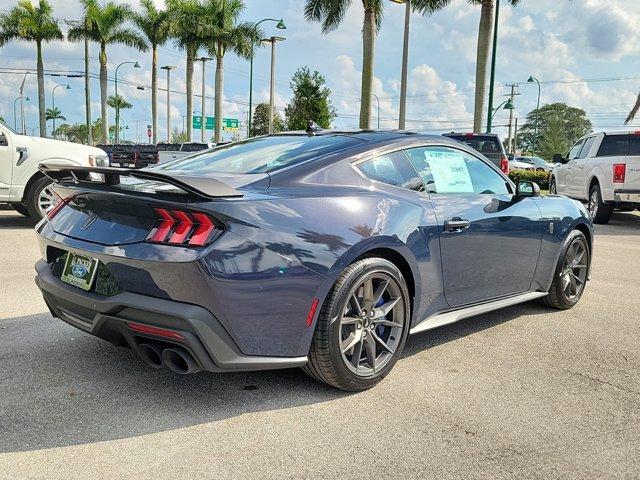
261 155
485 144
618 145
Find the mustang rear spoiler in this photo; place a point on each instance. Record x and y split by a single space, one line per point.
203 187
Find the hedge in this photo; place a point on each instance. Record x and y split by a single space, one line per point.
538 176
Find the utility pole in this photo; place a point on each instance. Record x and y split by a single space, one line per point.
202 130
272 41
168 68
492 80
405 64
515 137
87 92
511 95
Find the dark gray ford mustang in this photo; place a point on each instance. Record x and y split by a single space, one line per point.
320 251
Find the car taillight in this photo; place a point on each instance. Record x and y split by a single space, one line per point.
59 205
177 227
619 170
504 165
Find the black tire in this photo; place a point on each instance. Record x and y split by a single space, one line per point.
21 209
552 186
560 294
600 212
32 197
328 359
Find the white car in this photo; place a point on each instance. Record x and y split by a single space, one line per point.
21 183
603 169
517 165
539 164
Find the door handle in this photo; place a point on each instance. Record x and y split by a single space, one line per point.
456 224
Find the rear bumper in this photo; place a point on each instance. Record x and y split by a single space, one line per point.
107 317
630 196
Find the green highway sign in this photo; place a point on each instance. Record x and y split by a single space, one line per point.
227 123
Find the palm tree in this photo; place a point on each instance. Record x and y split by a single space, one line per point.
33 24
633 112
188 28
485 34
104 25
154 25
228 35
54 114
117 102
331 13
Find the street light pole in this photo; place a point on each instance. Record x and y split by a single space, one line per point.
202 130
493 67
272 41
135 65
281 26
531 80
168 68
53 106
15 115
405 64
378 101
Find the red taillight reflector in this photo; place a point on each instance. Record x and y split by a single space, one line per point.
161 232
203 230
161 332
619 171
185 225
504 165
312 312
59 206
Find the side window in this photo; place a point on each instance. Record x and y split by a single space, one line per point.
575 150
588 143
448 170
393 169
614 146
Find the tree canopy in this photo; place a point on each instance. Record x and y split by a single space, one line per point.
559 126
310 101
260 121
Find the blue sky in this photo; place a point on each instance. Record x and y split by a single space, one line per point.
586 53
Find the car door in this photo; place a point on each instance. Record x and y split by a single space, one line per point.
489 238
6 164
578 170
564 171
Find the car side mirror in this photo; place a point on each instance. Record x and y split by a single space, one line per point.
3 140
525 188
558 158
510 157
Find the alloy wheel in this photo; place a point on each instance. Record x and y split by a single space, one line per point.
574 269
371 324
593 203
47 199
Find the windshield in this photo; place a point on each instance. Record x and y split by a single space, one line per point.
260 155
4 125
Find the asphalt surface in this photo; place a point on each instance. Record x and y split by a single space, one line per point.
525 392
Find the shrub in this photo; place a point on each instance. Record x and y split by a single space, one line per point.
540 177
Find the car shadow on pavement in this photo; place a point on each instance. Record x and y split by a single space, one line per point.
12 219
622 223
61 387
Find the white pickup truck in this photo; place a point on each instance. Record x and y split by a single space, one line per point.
603 169
21 184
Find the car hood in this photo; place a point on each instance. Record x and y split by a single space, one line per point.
55 148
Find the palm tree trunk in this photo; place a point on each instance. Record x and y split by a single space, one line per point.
154 93
485 31
368 45
103 93
218 99
41 104
190 55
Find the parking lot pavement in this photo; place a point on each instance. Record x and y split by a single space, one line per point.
525 392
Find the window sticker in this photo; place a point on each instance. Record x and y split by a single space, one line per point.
449 170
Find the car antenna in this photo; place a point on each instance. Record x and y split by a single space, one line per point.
312 128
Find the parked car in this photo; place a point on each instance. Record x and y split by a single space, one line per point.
174 151
318 251
132 155
517 165
539 164
603 169
25 188
488 144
